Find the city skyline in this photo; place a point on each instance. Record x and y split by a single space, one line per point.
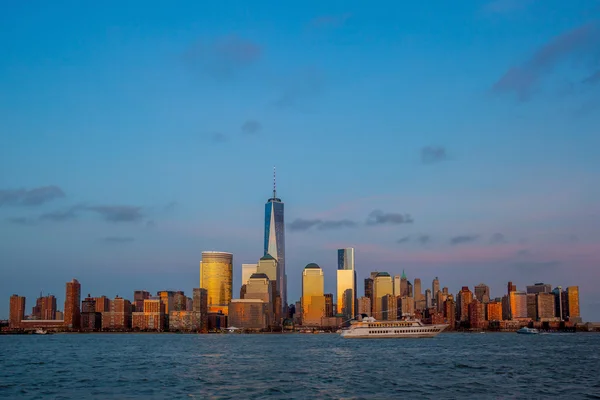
458 143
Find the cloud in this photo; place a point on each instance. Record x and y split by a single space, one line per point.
222 57
463 239
251 127
498 238
117 239
300 224
118 213
424 239
593 78
506 6
21 221
405 239
378 217
325 21
61 216
523 78
31 197
299 87
433 154
219 137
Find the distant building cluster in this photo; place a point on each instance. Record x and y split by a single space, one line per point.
263 302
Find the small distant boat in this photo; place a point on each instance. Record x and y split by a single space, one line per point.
41 332
528 331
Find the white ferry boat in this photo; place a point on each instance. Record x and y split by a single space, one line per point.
369 328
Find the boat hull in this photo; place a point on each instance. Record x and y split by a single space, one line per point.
427 331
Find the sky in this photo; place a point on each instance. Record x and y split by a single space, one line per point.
449 139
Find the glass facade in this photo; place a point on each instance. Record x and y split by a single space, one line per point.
313 296
274 243
346 283
216 276
382 286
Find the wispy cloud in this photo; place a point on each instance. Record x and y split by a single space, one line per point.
424 239
593 78
117 239
21 221
378 217
405 239
300 224
63 215
30 197
498 238
251 127
433 154
118 213
523 78
219 137
222 57
300 87
326 21
463 239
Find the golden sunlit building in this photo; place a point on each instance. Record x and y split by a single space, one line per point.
545 306
382 286
517 302
346 283
216 276
573 303
364 306
494 311
464 298
313 295
268 265
247 271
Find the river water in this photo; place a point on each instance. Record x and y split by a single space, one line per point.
298 366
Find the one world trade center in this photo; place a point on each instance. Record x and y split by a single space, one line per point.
275 240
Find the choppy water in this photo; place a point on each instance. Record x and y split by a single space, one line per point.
146 366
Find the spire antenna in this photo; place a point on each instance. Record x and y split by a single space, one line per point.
274 184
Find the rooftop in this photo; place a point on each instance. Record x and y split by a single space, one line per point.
259 275
267 257
312 265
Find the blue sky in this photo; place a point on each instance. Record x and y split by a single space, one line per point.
448 139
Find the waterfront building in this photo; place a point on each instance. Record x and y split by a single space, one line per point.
440 298
151 317
382 286
435 287
259 288
179 301
274 240
369 293
464 298
406 306
90 319
476 314
558 311
428 299
216 321
102 304
168 299
539 288
60 316
200 305
313 296
532 306
249 314
494 311
450 312
511 287
247 271
404 285
346 283
482 293
397 284
364 306
119 317
410 289
45 308
268 265
72 301
545 306
329 306
17 311
184 321
418 295
517 301
216 276
573 304
505 308
445 290
389 306
138 299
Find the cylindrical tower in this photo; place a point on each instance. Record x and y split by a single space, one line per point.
216 276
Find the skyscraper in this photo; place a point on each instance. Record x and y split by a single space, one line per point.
382 286
539 288
404 285
573 303
17 311
346 283
435 286
369 293
482 293
275 240
313 296
72 301
247 271
216 276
